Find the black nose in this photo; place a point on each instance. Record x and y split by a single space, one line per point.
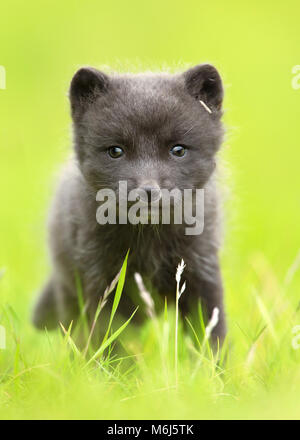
149 193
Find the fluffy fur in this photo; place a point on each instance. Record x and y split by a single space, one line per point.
146 114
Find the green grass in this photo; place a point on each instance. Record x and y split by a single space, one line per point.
255 47
252 376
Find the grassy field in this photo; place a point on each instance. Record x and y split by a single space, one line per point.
255 47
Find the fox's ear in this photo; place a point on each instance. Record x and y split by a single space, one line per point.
86 85
204 83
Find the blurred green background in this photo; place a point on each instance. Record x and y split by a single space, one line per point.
254 45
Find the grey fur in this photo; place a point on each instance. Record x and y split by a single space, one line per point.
146 114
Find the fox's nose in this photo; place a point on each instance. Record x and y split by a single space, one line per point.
150 192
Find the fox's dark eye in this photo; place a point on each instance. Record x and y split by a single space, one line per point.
115 152
178 151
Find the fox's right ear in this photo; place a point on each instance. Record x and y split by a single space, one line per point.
86 85
204 82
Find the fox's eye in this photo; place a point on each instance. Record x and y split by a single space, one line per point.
178 151
115 152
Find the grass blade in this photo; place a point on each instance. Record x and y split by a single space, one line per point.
70 340
117 297
108 342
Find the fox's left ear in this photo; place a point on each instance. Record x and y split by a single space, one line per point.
86 85
204 83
